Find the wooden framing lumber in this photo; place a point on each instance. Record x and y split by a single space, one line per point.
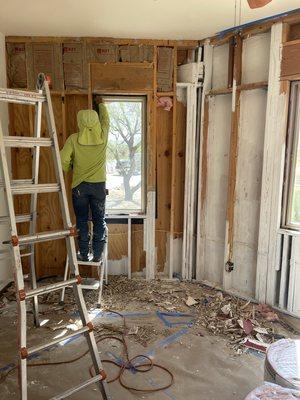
233 154
184 44
202 176
255 28
174 180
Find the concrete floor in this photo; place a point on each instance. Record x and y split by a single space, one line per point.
203 366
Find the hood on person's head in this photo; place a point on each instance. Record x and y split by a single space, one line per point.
90 132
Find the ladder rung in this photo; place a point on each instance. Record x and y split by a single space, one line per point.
21 96
35 188
90 263
76 389
25 255
19 218
15 182
26 141
43 236
50 288
35 349
23 218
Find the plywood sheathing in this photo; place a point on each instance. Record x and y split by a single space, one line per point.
290 65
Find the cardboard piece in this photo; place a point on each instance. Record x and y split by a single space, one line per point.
46 58
74 65
164 69
16 60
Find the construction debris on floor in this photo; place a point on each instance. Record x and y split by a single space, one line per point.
242 323
165 321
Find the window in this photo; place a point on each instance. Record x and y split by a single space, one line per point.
125 154
292 178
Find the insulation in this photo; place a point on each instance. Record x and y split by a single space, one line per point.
164 69
16 56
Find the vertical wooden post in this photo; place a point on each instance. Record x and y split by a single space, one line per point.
233 155
202 177
129 248
174 181
149 226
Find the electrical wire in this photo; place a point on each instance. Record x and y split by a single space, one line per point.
132 363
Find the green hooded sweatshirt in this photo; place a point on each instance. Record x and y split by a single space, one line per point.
85 151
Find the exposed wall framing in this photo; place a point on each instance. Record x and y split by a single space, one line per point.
108 66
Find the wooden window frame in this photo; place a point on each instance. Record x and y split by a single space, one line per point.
293 138
143 99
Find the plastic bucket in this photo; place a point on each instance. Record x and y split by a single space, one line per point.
270 391
282 364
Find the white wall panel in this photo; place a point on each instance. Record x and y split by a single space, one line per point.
220 66
217 186
248 188
256 55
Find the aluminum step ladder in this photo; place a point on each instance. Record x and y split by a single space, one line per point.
38 99
102 269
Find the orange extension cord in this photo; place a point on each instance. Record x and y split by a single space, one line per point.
147 366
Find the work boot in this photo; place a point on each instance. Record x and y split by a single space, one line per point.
96 259
81 257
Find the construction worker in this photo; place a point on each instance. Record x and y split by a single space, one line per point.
85 153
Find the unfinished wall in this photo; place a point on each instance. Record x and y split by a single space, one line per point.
232 153
214 213
5 266
248 188
78 68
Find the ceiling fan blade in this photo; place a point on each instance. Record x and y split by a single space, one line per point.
258 3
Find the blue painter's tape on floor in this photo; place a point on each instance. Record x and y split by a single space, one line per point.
166 318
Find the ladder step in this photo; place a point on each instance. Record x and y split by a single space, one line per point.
26 141
19 219
35 349
43 236
21 96
76 389
25 255
15 182
90 263
50 288
35 188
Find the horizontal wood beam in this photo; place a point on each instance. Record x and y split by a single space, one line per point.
244 86
104 40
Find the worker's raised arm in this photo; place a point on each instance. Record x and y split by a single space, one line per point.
66 155
104 120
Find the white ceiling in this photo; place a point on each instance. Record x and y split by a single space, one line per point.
165 19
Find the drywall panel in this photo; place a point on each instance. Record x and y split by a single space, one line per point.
256 54
220 66
5 264
217 185
248 189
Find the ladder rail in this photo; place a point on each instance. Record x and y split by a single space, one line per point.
71 249
38 98
17 266
33 206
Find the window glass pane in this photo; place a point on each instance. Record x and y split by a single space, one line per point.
125 155
295 217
